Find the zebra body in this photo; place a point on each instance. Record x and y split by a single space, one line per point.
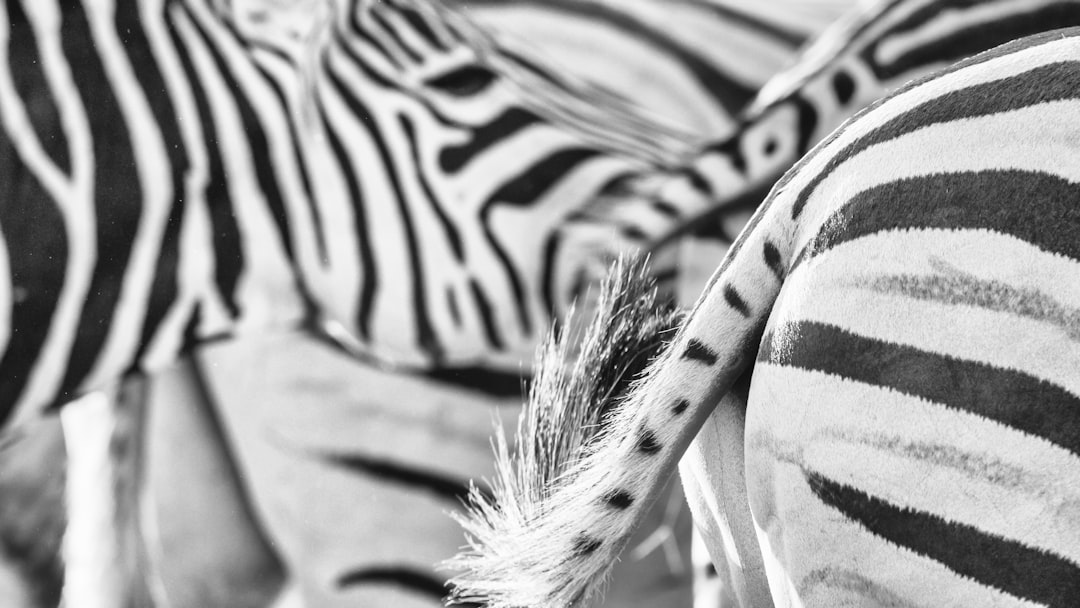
871 50
906 300
693 63
172 176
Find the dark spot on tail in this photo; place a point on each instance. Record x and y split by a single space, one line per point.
772 260
619 499
584 546
736 301
699 352
680 406
710 570
647 442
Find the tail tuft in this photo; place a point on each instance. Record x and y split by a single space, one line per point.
577 386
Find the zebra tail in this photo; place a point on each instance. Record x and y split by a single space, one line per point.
566 501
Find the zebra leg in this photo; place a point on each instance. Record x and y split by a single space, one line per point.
205 547
97 565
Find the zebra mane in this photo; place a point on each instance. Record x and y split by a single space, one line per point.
578 385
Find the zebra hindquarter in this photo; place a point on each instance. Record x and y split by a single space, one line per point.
912 431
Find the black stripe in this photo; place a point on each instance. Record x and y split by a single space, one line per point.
1012 398
228 255
1056 81
492 383
736 301
647 442
37 252
680 406
366 255
585 546
487 315
843 86
436 204
27 74
436 484
667 209
258 144
1038 208
970 40
773 260
523 191
400 576
1007 565
164 288
697 351
117 197
452 306
619 499
469 80
454 157
426 338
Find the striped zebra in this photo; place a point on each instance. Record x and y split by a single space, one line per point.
907 302
870 51
693 63
177 172
182 179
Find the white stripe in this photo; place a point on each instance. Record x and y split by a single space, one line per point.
1000 339
995 479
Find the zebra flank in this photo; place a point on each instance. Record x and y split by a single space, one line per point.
176 171
911 434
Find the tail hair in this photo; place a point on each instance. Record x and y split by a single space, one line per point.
579 384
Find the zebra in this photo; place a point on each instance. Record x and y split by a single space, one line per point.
906 300
186 173
693 63
868 52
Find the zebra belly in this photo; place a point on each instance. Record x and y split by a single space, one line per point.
911 435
